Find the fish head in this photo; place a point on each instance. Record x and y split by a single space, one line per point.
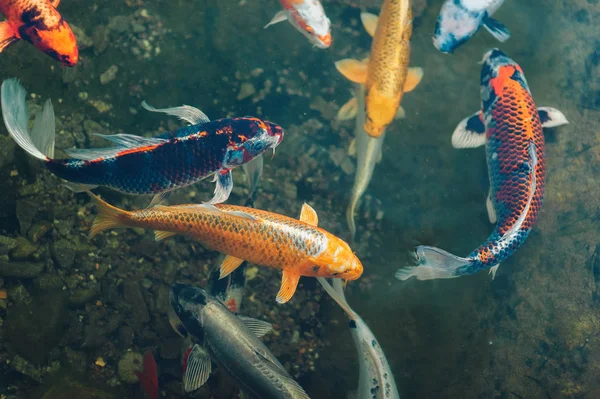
58 42
338 261
259 137
186 309
455 25
498 72
310 19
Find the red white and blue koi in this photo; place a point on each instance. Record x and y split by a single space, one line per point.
140 165
510 126
308 17
459 20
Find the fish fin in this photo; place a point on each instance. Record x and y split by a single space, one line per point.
258 327
199 367
78 187
551 117
489 204
131 140
336 292
16 118
348 110
149 377
369 22
89 154
109 217
44 130
434 263
400 113
160 235
159 199
496 29
123 142
275 372
223 189
413 78
7 35
213 209
289 283
176 323
187 113
229 264
55 3
279 17
353 70
494 270
253 171
470 132
352 148
309 215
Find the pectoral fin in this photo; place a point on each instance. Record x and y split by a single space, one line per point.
289 283
353 70
163 235
308 215
369 21
496 29
494 270
7 35
198 369
348 110
413 77
279 17
470 132
230 263
224 186
551 117
159 199
400 113
187 113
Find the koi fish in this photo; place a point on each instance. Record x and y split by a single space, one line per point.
38 22
459 20
385 73
141 165
375 378
510 127
149 377
297 247
308 17
230 341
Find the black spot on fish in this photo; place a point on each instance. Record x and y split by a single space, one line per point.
475 124
352 324
374 344
385 376
316 268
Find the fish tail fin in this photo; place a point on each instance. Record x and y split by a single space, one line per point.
40 141
336 292
350 214
109 217
434 263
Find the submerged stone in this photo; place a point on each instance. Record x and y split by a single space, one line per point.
130 363
6 244
20 269
63 253
69 387
24 249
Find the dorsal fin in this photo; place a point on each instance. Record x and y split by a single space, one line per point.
308 215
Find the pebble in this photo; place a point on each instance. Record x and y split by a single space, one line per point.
247 89
129 364
109 75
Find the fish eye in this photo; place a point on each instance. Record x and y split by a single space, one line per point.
310 30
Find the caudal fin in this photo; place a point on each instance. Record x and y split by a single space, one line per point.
109 217
434 263
40 142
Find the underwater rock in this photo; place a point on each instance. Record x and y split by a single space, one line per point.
247 89
26 212
83 40
48 282
101 38
75 361
7 150
19 295
24 367
68 387
109 75
129 364
20 269
6 244
63 253
82 296
139 310
24 249
35 328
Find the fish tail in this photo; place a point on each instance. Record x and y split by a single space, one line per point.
350 212
434 263
336 292
109 217
40 141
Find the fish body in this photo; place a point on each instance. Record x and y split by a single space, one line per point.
459 20
231 342
510 127
140 165
386 74
309 18
39 23
375 378
297 247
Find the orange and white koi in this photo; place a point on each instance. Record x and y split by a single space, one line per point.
39 23
385 73
308 17
297 247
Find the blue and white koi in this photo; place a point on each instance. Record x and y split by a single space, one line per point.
459 20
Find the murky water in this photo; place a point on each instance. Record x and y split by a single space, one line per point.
76 307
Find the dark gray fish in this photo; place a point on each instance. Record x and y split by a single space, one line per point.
230 341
